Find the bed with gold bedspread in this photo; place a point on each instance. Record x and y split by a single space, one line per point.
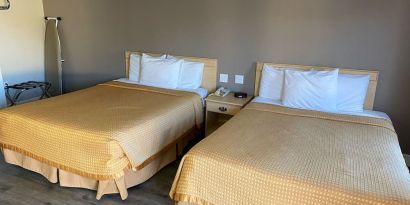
100 133
270 154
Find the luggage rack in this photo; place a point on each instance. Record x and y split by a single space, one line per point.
29 85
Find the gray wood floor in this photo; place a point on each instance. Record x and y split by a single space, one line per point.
19 186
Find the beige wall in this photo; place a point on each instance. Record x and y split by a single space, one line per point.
22 42
350 33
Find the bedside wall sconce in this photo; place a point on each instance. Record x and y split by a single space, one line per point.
5 5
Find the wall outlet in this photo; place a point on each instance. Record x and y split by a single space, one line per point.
239 79
223 78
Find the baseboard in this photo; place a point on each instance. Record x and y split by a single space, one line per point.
407 158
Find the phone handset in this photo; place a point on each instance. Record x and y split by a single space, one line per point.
222 92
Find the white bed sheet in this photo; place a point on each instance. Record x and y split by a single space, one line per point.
367 113
202 92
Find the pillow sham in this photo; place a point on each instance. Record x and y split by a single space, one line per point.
352 91
271 84
191 74
312 90
160 72
134 69
135 66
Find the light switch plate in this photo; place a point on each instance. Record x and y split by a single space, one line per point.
223 78
239 79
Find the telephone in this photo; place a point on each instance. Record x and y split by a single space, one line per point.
5 5
222 92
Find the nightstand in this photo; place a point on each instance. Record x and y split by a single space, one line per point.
221 109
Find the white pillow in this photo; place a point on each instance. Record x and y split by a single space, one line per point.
134 69
191 74
352 90
312 90
271 85
160 72
135 66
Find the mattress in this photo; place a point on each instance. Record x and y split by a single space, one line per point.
103 131
269 154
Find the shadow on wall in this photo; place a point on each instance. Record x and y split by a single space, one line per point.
79 81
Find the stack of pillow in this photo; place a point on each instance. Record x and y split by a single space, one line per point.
326 91
165 72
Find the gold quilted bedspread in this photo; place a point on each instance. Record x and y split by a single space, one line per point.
274 155
102 131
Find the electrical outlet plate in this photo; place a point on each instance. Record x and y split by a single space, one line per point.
223 78
239 79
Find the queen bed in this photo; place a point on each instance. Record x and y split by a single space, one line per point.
269 153
108 137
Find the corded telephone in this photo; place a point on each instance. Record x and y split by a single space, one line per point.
222 92
5 5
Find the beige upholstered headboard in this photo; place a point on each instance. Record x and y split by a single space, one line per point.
371 91
210 68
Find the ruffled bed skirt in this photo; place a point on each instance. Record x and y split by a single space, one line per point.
185 203
119 185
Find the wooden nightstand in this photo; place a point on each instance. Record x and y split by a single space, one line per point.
221 109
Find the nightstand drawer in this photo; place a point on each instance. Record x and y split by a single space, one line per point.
222 108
